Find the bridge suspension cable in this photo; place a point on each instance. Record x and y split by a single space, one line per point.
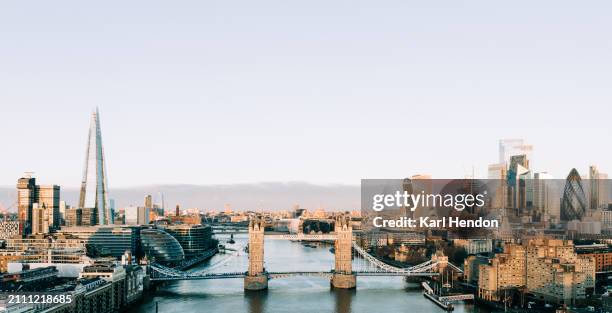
384 267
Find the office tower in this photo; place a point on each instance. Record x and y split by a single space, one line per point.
148 202
545 197
89 217
511 147
131 215
518 173
163 204
49 198
496 176
143 215
150 208
177 212
62 212
40 219
74 216
26 197
593 187
573 203
94 191
598 188
604 190
519 165
111 203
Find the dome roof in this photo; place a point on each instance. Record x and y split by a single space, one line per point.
160 246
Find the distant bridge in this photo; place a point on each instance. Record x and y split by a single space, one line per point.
230 229
303 237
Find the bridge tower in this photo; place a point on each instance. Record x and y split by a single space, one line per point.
343 276
441 260
257 278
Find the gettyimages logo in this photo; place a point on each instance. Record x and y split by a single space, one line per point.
411 201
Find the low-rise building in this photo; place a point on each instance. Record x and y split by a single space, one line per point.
606 219
549 269
474 246
106 240
505 271
28 279
556 273
41 252
471 268
600 252
9 229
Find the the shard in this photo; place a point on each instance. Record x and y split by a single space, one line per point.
93 199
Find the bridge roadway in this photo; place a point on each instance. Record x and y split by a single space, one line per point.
162 273
230 230
273 275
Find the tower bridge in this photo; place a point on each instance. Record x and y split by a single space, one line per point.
342 276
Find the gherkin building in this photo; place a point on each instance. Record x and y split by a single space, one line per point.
573 203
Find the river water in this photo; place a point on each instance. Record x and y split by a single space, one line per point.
292 295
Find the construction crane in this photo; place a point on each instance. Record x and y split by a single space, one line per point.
5 211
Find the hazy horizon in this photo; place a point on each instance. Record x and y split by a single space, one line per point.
270 196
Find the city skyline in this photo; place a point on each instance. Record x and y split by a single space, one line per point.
543 163
94 199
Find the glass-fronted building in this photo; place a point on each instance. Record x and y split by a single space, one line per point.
573 203
107 240
159 246
194 239
94 190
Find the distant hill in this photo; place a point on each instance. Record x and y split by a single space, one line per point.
267 196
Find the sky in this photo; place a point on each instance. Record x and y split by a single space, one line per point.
326 92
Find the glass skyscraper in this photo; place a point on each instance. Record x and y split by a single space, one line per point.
573 203
94 191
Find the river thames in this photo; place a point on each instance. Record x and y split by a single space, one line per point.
296 294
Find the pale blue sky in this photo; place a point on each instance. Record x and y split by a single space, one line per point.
215 92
